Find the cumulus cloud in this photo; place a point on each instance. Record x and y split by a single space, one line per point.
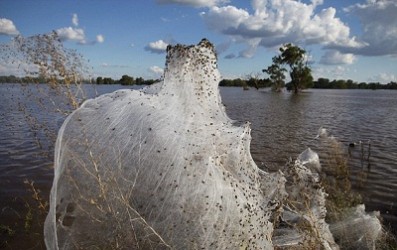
77 34
222 47
73 34
331 72
17 67
194 3
224 19
384 78
158 71
7 27
75 20
334 57
100 38
274 22
378 20
157 47
277 22
251 48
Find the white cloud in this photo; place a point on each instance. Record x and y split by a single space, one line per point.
384 78
75 20
73 34
334 57
331 72
7 27
100 38
77 34
225 18
317 2
157 47
251 48
194 3
107 65
275 22
156 70
378 20
222 47
17 67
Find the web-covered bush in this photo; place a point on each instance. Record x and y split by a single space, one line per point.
164 167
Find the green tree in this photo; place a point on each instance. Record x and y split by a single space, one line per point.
299 71
108 80
350 84
276 75
139 81
126 80
99 80
322 83
340 84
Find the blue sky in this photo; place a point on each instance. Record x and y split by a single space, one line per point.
349 39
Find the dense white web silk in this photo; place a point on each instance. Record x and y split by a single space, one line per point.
164 167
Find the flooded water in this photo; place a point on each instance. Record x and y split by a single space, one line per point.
283 125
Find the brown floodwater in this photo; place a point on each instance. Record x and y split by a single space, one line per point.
283 125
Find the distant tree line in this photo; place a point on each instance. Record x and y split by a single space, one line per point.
321 83
252 82
324 83
124 80
26 79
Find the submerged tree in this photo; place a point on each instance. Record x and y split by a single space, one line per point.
299 71
276 75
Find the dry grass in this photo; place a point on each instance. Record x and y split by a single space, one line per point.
337 184
341 197
57 75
